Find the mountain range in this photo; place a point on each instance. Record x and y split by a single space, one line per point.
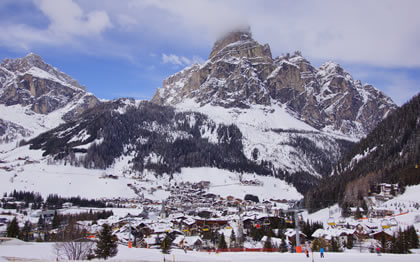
242 110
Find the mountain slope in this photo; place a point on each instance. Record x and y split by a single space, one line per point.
277 102
390 154
37 96
241 73
242 111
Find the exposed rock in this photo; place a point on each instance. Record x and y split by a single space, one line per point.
240 73
29 81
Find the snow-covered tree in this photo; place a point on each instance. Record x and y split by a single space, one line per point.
107 245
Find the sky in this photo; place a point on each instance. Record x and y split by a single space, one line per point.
126 48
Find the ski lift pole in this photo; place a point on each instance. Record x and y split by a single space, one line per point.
297 229
129 234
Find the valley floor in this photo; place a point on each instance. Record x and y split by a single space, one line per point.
45 252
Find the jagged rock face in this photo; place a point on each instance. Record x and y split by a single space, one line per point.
29 81
10 131
240 73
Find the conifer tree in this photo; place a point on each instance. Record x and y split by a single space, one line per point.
56 220
166 245
335 246
350 242
283 245
13 228
41 222
268 244
413 238
232 239
26 231
358 214
222 242
384 243
107 244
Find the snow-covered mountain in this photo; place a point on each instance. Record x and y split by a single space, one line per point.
389 154
241 74
241 111
290 114
35 97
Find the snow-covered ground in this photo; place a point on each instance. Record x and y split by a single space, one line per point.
405 207
225 183
258 124
67 181
45 252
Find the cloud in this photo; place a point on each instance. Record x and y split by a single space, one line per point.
68 19
376 32
67 22
180 60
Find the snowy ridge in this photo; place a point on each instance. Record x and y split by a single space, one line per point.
258 125
38 97
291 114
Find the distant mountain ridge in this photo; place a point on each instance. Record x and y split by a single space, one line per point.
33 89
389 154
241 111
241 73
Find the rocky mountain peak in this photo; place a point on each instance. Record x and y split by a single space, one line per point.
239 43
230 38
29 81
33 64
241 73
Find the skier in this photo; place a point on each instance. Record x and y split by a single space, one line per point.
322 251
378 251
306 252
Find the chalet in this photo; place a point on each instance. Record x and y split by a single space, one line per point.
383 234
291 236
342 235
189 242
213 223
381 212
67 205
388 190
353 210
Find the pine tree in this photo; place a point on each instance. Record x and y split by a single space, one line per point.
316 243
107 245
384 243
166 245
26 231
232 239
13 228
358 214
268 244
350 242
56 220
335 246
41 222
222 242
413 238
283 245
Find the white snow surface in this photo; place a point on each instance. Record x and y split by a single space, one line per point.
45 252
39 175
226 183
64 180
405 212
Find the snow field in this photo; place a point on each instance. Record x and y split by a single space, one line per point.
67 181
45 252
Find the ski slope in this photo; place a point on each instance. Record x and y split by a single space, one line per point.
45 252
